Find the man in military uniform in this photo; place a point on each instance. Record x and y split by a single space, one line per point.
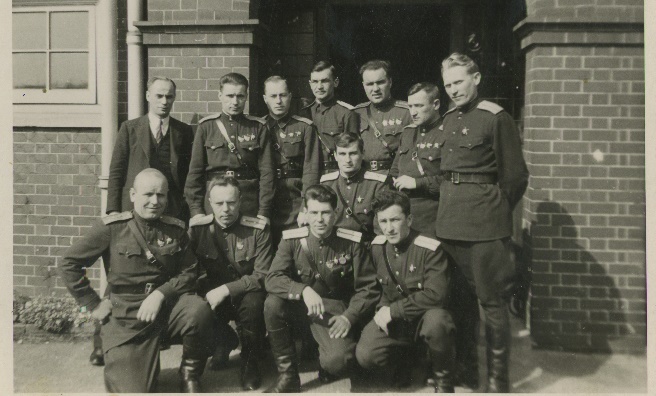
329 270
355 186
382 118
232 143
413 272
151 278
235 252
330 116
296 154
416 168
484 177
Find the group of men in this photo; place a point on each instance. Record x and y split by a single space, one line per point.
383 225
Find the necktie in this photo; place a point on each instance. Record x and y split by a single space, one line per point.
159 134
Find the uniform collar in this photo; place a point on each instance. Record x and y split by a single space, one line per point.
431 125
324 240
229 225
282 122
384 106
143 222
326 105
355 178
404 244
237 117
470 105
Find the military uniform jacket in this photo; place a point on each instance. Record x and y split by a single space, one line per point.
296 148
390 118
480 138
210 153
331 119
129 267
358 191
345 271
421 266
423 144
238 256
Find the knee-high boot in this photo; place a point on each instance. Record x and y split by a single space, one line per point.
284 353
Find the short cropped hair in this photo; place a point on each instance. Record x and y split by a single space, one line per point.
320 193
388 198
431 90
153 79
346 139
233 78
323 65
458 59
224 181
275 79
377 64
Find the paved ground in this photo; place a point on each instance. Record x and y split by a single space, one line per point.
62 367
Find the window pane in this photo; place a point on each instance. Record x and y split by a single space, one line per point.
69 71
69 30
29 30
29 70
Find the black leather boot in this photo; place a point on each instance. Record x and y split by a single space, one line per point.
191 368
251 346
497 336
227 341
97 358
284 353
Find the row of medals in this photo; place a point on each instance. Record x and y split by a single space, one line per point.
342 260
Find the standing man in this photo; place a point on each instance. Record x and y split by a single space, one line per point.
296 155
416 169
152 279
382 118
235 252
330 271
235 144
413 271
330 116
355 186
484 177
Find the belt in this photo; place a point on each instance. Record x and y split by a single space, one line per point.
474 178
288 173
380 165
239 174
143 288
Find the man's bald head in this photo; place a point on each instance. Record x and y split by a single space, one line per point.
149 193
150 174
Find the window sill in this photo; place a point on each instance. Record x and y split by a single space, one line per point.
80 116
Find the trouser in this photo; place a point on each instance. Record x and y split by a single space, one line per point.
133 367
246 311
249 197
335 354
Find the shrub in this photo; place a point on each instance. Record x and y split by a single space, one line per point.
53 314
19 303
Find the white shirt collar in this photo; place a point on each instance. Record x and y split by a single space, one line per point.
154 124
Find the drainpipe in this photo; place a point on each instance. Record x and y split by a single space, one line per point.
134 40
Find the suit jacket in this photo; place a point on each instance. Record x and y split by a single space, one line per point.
132 155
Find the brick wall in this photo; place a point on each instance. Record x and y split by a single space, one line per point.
584 211
190 10
56 196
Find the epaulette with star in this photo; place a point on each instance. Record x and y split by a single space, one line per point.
329 176
253 118
253 222
209 117
296 233
344 104
302 119
362 105
489 106
173 221
402 104
310 105
410 126
351 235
427 243
375 176
117 217
379 240
199 221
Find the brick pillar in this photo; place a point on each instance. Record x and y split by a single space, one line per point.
584 211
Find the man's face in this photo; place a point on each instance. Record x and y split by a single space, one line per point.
461 86
422 109
160 97
233 98
349 159
225 204
394 224
323 85
377 85
149 196
277 98
321 218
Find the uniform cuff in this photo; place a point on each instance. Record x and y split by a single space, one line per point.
422 183
396 311
265 213
351 317
167 290
296 291
236 288
90 301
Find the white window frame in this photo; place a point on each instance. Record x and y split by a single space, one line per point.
61 96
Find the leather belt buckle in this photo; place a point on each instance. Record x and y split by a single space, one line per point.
374 165
279 173
151 257
232 147
455 177
149 288
399 289
349 211
230 173
276 146
415 155
377 134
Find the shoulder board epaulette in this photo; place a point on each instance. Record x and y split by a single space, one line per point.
375 176
173 221
117 217
203 220
329 176
362 105
296 233
253 118
210 117
302 119
310 105
253 222
402 104
351 235
427 243
451 110
344 104
489 106
379 240
410 126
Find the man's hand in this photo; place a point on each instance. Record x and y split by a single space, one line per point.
150 306
382 318
339 326
216 296
102 311
313 302
404 182
300 220
113 213
197 216
265 219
